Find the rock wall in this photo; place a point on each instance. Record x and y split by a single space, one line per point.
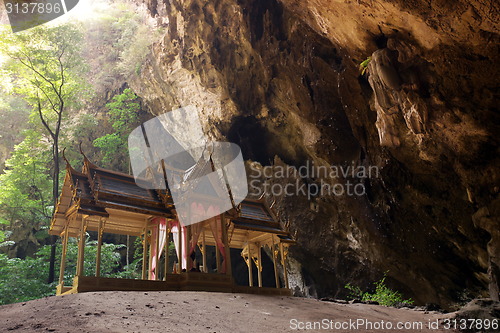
281 79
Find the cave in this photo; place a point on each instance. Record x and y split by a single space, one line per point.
408 87
253 138
288 73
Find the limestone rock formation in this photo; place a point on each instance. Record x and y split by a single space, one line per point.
281 79
489 221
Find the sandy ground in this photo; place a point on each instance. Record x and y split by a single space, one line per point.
199 312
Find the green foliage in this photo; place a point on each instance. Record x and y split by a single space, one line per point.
109 144
110 258
355 292
2 233
135 50
123 111
38 96
44 66
119 39
25 191
124 117
171 250
83 129
363 66
134 269
25 279
383 294
14 113
386 296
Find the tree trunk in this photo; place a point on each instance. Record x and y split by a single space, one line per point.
55 197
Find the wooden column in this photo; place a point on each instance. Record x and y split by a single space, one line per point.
144 253
179 234
157 254
167 243
150 236
204 250
283 262
63 256
250 273
275 254
217 253
189 261
99 246
81 249
259 267
217 257
227 250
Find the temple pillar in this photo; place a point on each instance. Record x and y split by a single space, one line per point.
249 264
150 253
217 250
204 251
189 243
179 252
63 256
227 251
167 243
81 249
259 266
99 246
157 253
144 253
275 254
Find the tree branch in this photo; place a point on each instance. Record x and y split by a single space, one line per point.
40 113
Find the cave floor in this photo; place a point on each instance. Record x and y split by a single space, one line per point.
184 311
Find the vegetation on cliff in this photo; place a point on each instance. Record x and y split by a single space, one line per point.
62 85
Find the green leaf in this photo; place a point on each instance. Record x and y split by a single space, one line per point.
383 294
363 66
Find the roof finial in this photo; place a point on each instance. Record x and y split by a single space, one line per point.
64 156
68 164
86 162
81 152
80 147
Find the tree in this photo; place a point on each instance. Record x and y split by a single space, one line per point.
21 279
118 37
124 117
14 114
25 194
45 64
